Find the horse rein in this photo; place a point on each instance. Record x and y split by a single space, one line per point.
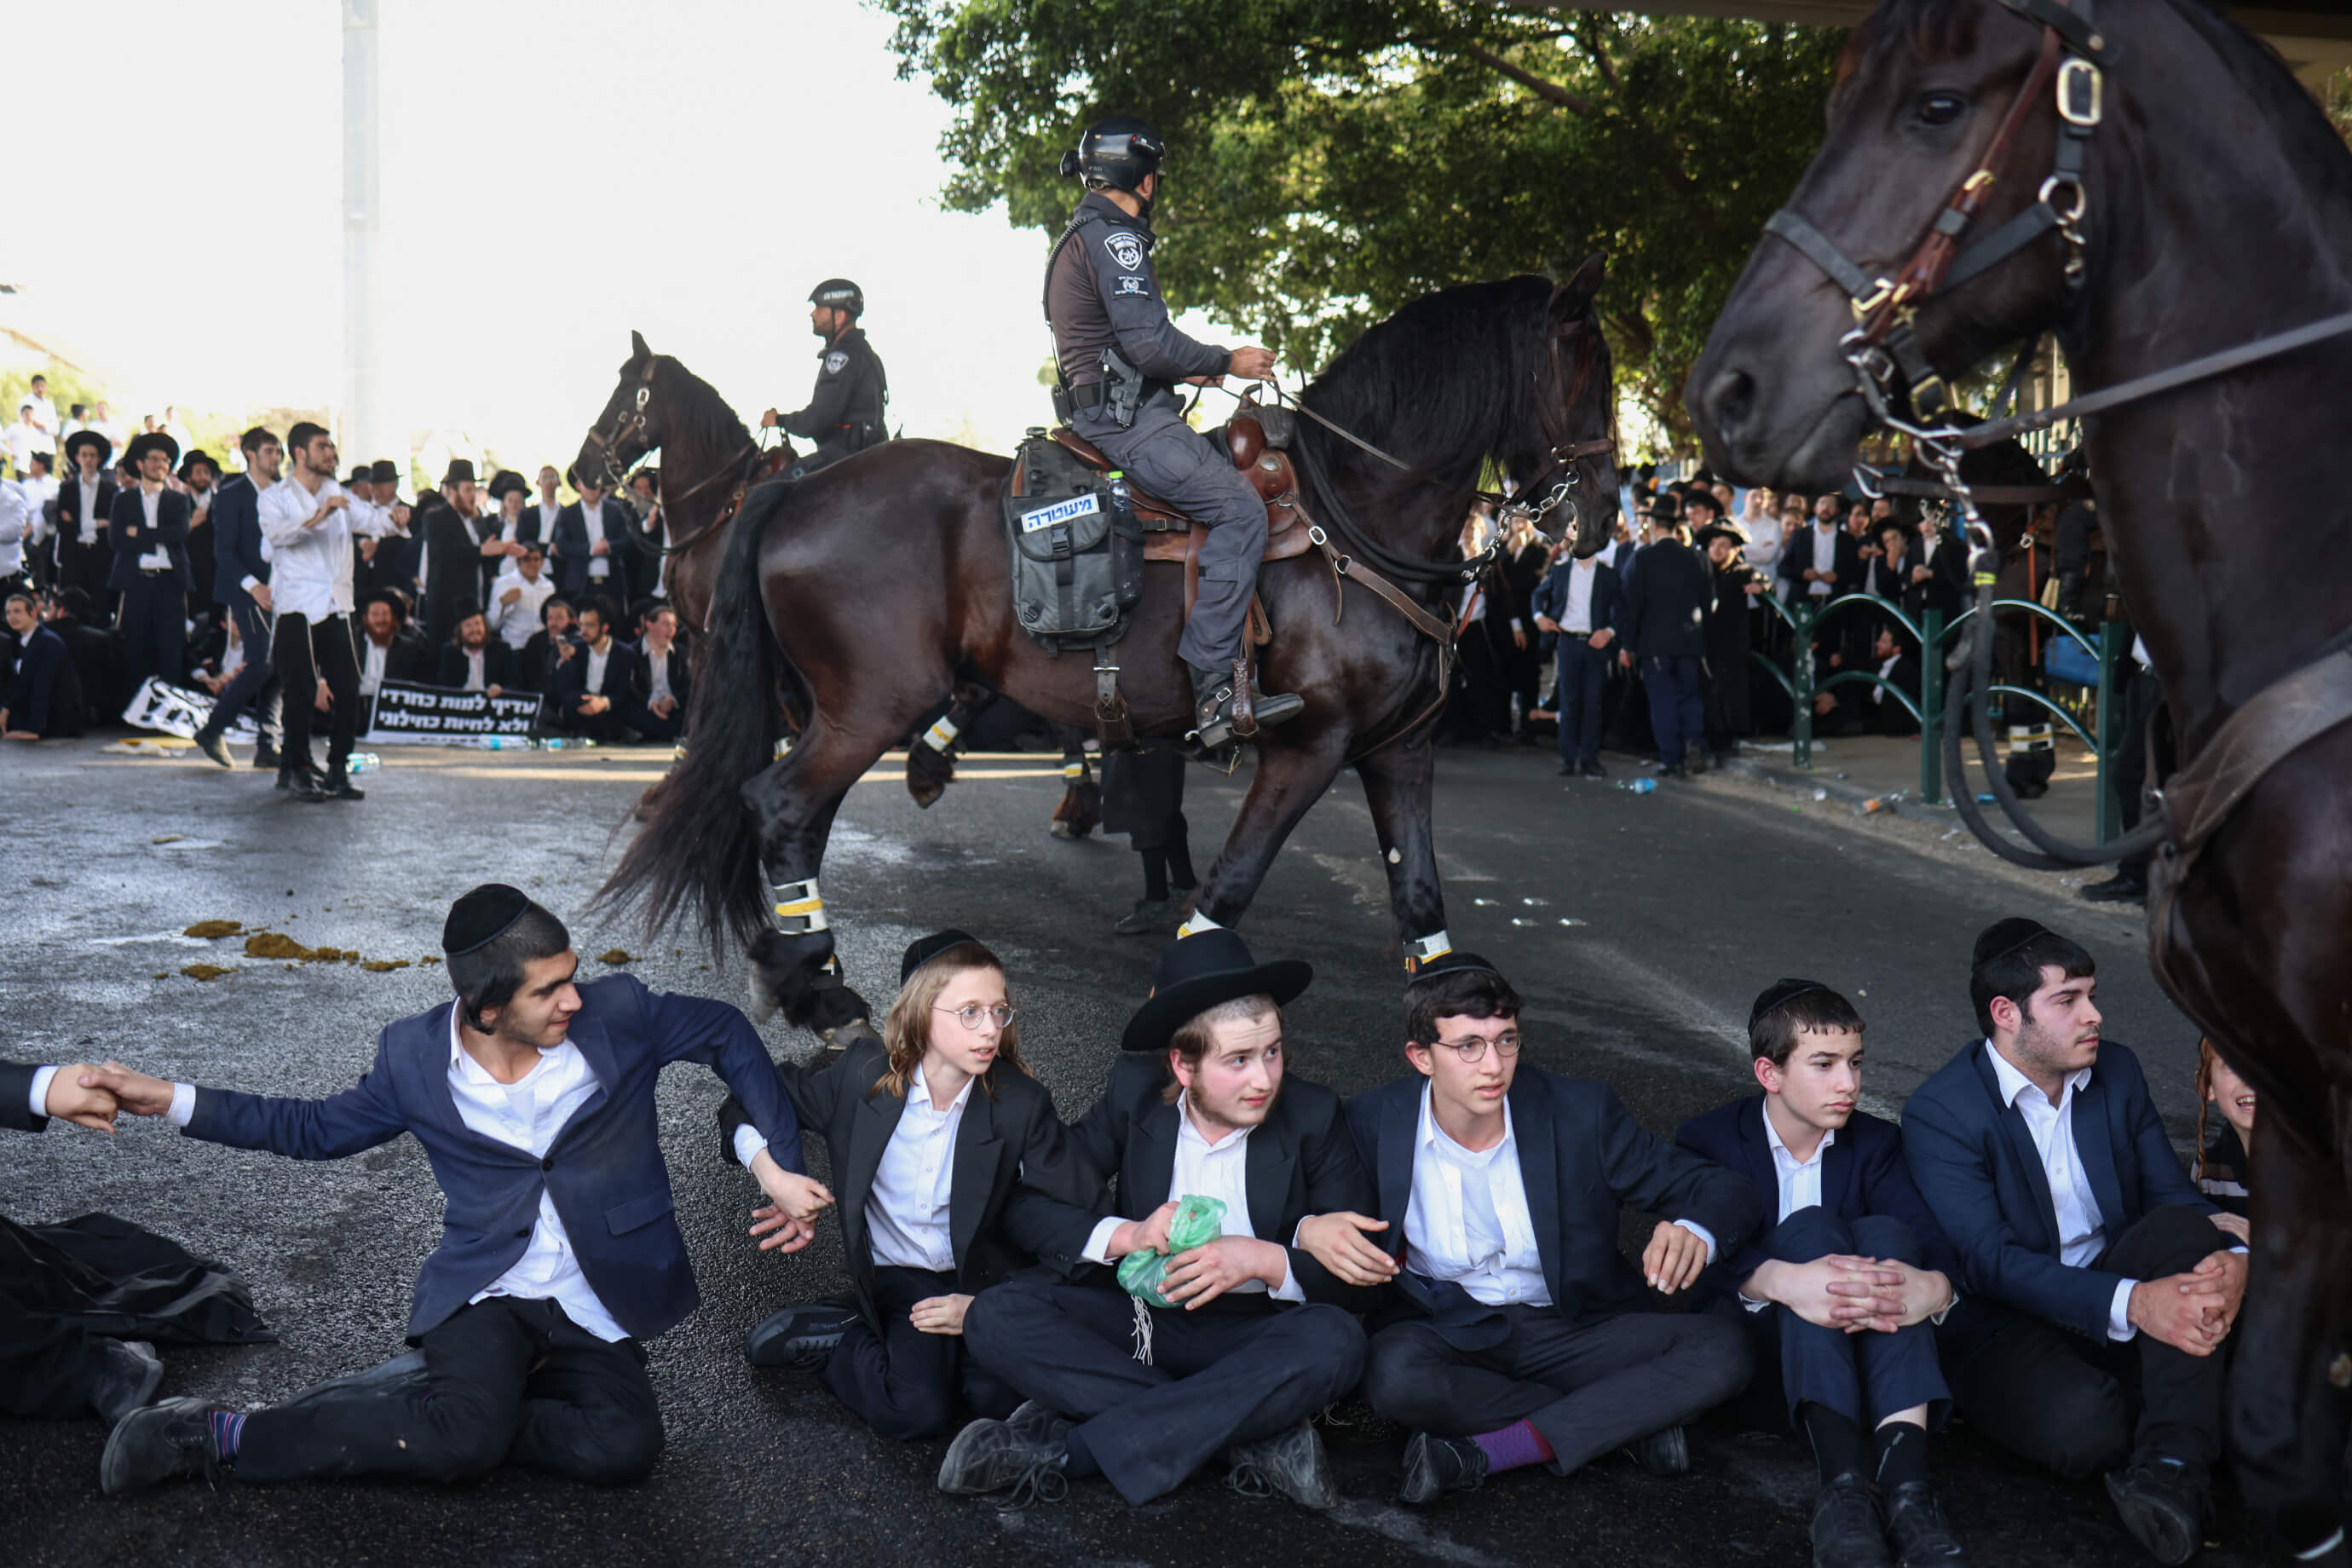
632 425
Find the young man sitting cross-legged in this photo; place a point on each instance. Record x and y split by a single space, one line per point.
1516 1333
1841 1293
1199 1103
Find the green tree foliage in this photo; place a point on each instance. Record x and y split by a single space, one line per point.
1333 159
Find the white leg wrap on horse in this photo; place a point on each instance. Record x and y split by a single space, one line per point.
783 744
1437 944
1196 925
941 736
799 909
1076 770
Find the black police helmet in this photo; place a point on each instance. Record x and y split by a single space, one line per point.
1117 153
841 294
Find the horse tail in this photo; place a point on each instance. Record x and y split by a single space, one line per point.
698 854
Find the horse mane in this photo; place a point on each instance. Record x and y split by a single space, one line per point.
1439 381
701 400
2306 139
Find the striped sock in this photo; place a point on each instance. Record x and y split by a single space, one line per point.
228 1432
1514 1447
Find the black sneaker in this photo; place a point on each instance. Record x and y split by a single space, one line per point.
341 788
1661 1453
1848 1531
2162 1504
304 786
1150 916
173 1438
1292 1463
1036 1423
1595 770
1435 1466
211 744
129 1379
993 1457
1916 1529
802 1337
2123 888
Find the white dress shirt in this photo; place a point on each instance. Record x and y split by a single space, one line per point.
597 660
1219 1170
906 1215
527 1114
39 1099
516 622
592 518
17 514
548 512
2082 1229
657 674
1468 1220
158 559
310 568
1824 559
1764 538
1577 615
373 660
1800 1180
90 520
477 672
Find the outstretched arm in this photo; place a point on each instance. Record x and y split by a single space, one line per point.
360 1117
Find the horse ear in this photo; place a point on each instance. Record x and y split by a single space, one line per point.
1587 282
639 352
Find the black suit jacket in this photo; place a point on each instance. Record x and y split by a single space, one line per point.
45 693
1946 591
1583 1159
1006 1140
1863 1173
680 676
128 535
538 666
16 1094
498 664
620 667
1666 597
453 558
1300 1162
1608 606
1797 558
570 550
236 541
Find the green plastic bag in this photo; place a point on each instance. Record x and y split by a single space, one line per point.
1198 1222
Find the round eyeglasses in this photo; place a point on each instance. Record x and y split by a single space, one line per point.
1473 1050
970 1015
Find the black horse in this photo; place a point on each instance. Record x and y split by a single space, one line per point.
884 580
2212 207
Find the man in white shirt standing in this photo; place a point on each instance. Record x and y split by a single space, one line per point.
1501 1185
531 1094
586 549
44 410
24 439
310 524
2084 1246
547 508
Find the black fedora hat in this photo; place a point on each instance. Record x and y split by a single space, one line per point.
149 441
1714 531
1196 972
506 483
198 455
461 472
80 438
384 471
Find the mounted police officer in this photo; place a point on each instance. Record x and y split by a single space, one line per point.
844 415
1119 357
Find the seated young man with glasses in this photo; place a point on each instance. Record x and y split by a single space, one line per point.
1514 1334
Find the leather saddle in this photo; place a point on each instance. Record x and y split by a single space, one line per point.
1169 535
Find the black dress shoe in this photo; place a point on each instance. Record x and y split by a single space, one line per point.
994 1457
305 788
173 1438
1595 770
2123 888
1292 1463
1150 916
342 789
802 1337
1848 1531
1568 769
1435 1466
265 757
1661 1453
2162 1504
127 1380
1916 1529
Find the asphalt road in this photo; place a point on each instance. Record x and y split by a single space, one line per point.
1639 927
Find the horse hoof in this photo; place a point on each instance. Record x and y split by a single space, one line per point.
839 1038
1062 830
927 796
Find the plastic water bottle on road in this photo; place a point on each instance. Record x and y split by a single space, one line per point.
1639 786
363 763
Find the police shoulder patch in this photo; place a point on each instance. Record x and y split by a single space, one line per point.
1126 249
836 362
1135 286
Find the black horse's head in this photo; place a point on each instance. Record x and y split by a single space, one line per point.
1573 439
1921 89
631 424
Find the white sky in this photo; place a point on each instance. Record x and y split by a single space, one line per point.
555 173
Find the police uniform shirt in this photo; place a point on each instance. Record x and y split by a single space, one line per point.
848 395
1102 292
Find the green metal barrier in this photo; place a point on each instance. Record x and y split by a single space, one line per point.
1931 633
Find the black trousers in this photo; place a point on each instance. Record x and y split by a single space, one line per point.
2127 774
307 651
1589 1384
905 1382
605 726
1864 1377
1576 697
1215 1377
154 629
640 717
2079 1406
1677 716
503 1379
254 682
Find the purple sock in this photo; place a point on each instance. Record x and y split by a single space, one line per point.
228 1432
1514 1447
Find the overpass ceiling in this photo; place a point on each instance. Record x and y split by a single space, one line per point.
2315 36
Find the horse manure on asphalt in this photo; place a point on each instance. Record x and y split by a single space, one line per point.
204 971
616 956
270 944
212 930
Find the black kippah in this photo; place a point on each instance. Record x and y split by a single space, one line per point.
1779 993
924 949
2004 937
1452 963
481 917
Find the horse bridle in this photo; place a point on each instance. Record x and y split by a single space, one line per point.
632 425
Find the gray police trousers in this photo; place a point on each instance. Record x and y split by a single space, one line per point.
1186 469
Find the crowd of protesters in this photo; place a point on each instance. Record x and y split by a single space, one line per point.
249 578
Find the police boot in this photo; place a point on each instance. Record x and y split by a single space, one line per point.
1223 710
